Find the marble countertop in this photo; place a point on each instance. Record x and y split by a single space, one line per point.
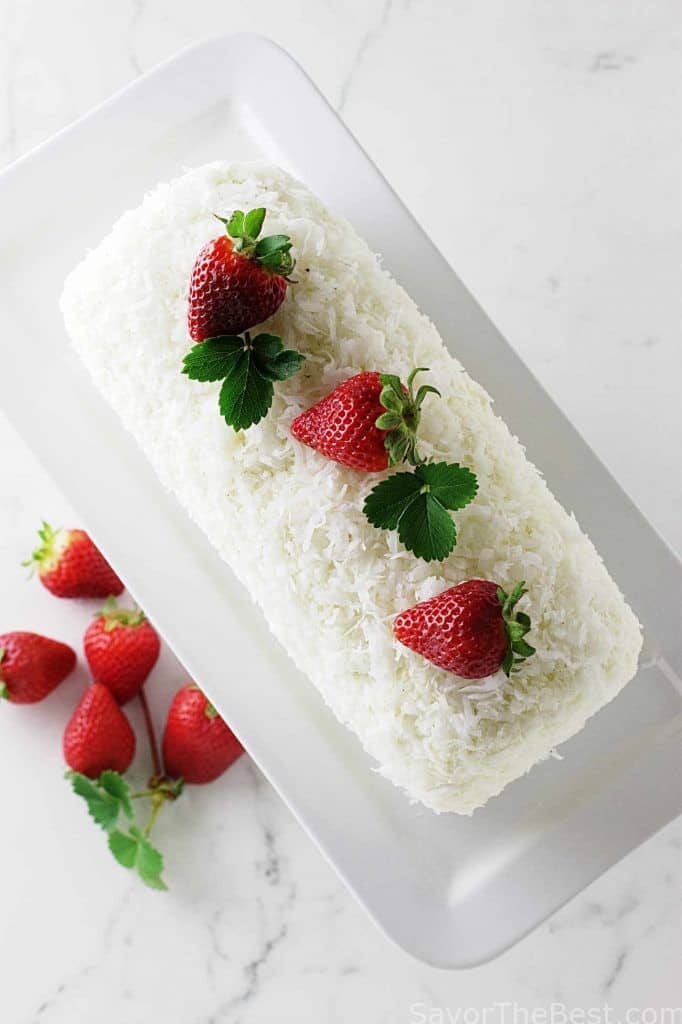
539 144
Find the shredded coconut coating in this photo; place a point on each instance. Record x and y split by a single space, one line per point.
290 523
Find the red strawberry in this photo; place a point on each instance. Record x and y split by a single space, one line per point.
368 422
239 281
31 666
470 629
197 745
98 736
121 647
70 565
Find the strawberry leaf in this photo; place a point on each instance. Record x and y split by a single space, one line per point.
285 365
453 485
104 801
116 786
392 396
247 367
272 360
133 850
246 395
124 848
271 244
235 225
426 529
388 421
266 347
149 861
253 222
273 253
523 649
388 501
416 504
213 359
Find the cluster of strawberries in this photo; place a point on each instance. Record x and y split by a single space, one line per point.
121 648
367 423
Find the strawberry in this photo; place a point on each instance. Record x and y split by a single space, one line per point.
98 736
471 629
31 666
197 745
240 280
69 565
369 422
121 648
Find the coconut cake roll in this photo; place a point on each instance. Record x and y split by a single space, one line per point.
333 583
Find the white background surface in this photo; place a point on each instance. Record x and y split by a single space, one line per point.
540 148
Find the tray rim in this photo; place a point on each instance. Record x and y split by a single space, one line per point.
288 67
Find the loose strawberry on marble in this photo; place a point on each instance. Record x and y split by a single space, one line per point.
238 280
197 744
69 565
471 629
121 648
98 736
31 666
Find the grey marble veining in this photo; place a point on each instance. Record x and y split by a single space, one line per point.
537 143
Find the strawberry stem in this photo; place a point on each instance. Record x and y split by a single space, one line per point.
170 788
149 726
158 800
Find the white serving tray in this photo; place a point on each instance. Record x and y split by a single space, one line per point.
452 891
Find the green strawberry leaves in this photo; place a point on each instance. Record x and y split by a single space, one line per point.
417 506
106 797
402 416
426 529
246 395
213 359
244 228
248 369
133 850
272 252
109 799
517 624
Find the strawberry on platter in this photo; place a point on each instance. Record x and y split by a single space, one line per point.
69 565
121 648
98 736
31 666
198 746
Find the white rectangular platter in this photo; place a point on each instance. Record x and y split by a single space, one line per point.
450 890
